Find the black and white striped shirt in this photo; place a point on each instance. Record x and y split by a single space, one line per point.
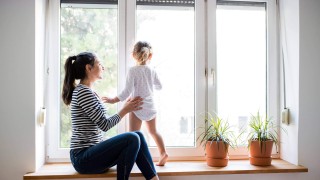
88 116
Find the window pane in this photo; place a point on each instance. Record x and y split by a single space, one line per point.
94 30
241 62
170 30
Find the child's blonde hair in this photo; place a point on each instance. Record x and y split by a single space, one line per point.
142 50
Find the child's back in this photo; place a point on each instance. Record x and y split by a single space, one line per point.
142 80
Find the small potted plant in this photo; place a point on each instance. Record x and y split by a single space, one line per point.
262 135
216 139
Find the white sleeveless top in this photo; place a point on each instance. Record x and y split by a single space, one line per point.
141 81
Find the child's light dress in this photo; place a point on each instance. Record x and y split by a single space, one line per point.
141 81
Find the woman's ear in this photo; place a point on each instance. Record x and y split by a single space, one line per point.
88 67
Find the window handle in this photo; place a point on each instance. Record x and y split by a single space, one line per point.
213 74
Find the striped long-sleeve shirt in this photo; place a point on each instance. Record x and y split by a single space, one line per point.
88 116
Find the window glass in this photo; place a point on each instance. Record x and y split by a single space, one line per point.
94 30
241 62
170 30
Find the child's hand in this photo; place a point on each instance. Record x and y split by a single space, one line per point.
109 100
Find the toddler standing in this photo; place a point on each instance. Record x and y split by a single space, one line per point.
141 81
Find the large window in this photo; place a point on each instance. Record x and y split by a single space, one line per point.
211 56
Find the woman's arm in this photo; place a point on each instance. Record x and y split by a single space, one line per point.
95 111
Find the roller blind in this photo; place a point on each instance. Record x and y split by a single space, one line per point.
241 3
89 1
184 3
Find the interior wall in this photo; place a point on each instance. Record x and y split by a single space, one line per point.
17 97
309 85
289 12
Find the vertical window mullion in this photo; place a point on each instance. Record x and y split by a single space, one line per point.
122 57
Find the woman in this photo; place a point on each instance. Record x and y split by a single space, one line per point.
89 153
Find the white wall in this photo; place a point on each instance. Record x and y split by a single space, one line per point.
17 97
21 96
289 11
20 101
309 84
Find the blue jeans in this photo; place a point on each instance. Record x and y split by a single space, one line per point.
122 150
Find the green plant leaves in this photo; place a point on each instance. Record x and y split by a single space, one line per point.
217 129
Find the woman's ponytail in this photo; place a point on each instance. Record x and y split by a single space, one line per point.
69 80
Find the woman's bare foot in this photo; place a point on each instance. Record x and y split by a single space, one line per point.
162 160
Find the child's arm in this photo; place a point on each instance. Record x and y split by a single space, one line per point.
157 82
128 88
110 100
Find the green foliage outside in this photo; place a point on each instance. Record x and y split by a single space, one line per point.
93 30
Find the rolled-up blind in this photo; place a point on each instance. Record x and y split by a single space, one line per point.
241 3
185 3
89 1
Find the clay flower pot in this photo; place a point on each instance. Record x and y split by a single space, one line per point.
217 154
260 153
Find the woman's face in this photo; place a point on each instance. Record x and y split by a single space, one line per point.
96 70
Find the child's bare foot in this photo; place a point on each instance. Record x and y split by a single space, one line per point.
163 159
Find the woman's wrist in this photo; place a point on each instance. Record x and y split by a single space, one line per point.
122 113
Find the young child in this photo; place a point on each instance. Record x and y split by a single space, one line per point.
141 81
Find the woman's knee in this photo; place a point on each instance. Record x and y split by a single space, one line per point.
141 136
133 137
139 133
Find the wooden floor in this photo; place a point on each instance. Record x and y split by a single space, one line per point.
178 168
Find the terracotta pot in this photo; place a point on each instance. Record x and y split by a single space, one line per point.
260 153
217 154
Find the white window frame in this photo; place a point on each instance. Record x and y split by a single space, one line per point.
205 38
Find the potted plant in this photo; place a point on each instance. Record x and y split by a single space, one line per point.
262 135
216 139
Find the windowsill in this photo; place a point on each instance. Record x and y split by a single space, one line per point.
174 168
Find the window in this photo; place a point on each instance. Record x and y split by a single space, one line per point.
94 29
170 30
205 53
242 64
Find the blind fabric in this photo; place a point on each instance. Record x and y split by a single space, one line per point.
89 1
185 3
241 3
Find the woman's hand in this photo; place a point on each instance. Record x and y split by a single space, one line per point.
132 104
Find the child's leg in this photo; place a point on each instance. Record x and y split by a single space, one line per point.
151 126
134 122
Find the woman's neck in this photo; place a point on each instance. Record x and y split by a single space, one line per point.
86 82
